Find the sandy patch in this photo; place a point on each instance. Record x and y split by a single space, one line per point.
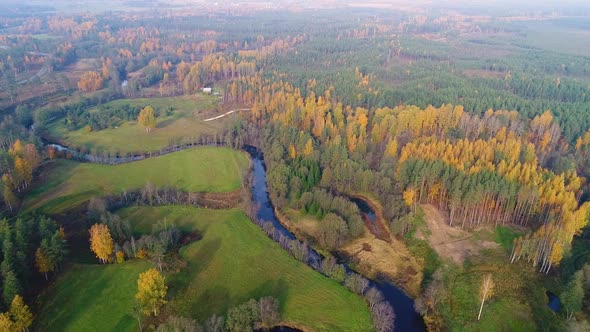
450 242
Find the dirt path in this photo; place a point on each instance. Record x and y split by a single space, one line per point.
450 242
226 114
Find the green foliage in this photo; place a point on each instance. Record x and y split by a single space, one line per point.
243 317
505 236
573 294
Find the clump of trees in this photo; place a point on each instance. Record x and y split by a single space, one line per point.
575 291
18 318
23 241
20 161
262 314
90 81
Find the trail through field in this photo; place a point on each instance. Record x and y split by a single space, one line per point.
226 114
450 242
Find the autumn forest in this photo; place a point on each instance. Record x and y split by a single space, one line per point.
294 166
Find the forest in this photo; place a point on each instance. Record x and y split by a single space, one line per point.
426 167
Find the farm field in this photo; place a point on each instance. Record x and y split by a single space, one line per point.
67 183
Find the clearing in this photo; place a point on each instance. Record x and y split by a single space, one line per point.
450 242
233 262
66 184
184 122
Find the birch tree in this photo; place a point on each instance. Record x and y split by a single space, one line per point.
485 291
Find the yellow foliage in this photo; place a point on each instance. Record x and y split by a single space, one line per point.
21 314
147 119
120 257
101 242
152 291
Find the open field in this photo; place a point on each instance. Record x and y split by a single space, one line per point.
185 121
452 242
235 261
92 298
66 184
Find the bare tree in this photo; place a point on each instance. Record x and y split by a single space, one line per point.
485 291
215 324
373 296
269 312
383 317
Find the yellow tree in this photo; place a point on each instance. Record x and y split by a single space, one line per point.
391 148
409 196
10 198
21 314
151 291
6 324
485 291
147 119
308 149
292 151
43 262
90 81
101 242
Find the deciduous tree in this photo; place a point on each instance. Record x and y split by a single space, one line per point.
485 291
43 263
101 242
21 314
90 81
147 119
151 292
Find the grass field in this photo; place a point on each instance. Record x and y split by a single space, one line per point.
92 298
184 122
233 262
67 184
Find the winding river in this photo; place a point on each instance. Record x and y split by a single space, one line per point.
406 320
406 317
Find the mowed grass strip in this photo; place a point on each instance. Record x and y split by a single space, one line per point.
68 183
235 261
92 298
184 122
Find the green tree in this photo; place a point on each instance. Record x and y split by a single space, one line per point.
573 295
243 317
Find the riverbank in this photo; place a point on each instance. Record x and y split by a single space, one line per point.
372 257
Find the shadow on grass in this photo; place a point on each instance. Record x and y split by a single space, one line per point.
165 123
197 262
279 289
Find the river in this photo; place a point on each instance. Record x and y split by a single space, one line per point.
407 319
